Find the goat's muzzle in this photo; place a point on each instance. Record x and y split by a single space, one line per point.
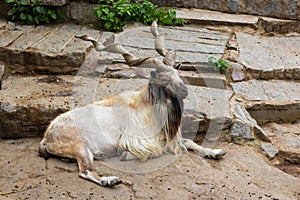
183 92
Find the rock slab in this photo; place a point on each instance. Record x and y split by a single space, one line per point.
289 9
42 49
286 138
27 111
265 57
28 104
272 100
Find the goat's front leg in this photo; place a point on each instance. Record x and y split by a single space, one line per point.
204 152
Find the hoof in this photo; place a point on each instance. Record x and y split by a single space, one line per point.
216 154
110 181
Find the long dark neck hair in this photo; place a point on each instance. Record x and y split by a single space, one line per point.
158 94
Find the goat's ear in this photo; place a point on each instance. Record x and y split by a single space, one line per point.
170 58
177 66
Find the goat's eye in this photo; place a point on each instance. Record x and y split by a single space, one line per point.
177 67
164 80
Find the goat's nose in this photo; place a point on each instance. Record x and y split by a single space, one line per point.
183 87
184 90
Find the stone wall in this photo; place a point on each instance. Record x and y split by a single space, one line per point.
77 11
284 9
82 11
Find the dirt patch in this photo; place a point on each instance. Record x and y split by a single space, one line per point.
54 79
65 93
242 174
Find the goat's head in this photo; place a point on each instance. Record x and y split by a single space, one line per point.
169 78
166 74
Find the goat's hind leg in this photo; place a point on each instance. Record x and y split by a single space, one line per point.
83 157
204 152
85 160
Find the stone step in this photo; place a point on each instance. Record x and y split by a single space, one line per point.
285 139
211 79
270 101
260 23
45 49
205 79
213 17
266 57
42 49
193 46
29 103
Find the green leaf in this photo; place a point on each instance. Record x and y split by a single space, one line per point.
30 19
223 63
12 11
114 14
219 65
23 16
10 1
108 25
24 8
36 20
111 14
212 60
103 17
99 13
39 9
105 10
24 2
52 14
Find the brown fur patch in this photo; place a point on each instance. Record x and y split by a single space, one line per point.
134 103
138 99
111 101
148 119
63 140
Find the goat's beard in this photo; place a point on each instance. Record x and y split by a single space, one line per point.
163 133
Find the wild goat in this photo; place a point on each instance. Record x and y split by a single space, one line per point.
138 124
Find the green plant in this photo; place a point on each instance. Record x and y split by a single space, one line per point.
114 15
25 12
221 65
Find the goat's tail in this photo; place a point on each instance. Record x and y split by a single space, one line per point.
43 149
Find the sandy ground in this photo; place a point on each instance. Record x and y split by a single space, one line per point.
242 174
